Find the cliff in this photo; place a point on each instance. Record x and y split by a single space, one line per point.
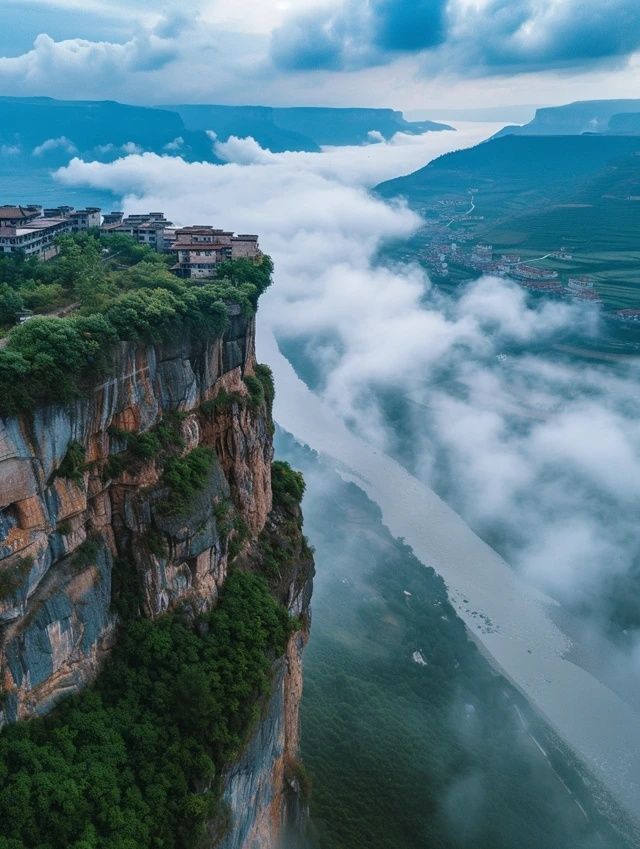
133 502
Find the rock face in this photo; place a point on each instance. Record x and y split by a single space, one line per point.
80 507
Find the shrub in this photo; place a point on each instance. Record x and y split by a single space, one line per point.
72 466
265 376
256 391
52 357
287 485
85 555
13 576
10 304
185 477
223 401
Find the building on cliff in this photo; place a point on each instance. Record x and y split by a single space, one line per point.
199 249
32 231
150 229
77 501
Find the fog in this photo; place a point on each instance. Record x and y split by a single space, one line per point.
541 450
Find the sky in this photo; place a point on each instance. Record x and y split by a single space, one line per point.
409 54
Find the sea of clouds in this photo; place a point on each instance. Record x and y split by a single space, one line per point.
537 450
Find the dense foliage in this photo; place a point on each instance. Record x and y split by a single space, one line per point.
185 477
287 484
132 762
114 291
404 755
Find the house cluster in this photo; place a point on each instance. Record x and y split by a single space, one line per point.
33 231
480 258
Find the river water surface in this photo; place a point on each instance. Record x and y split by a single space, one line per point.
513 621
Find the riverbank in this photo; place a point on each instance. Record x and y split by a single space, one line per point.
509 617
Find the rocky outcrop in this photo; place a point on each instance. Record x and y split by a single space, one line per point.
67 518
265 796
91 529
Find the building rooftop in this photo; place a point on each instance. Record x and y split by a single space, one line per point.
11 212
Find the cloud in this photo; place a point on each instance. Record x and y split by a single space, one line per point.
61 143
130 148
487 35
60 65
541 454
356 34
10 149
517 35
176 144
242 151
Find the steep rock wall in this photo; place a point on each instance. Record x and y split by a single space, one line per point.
60 538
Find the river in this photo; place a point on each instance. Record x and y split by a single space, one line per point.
513 621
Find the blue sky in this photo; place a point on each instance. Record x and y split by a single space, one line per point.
412 54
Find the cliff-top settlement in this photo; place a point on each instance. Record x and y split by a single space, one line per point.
34 231
145 565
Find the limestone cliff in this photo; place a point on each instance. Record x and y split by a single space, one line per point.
85 503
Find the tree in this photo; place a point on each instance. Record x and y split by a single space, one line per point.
10 304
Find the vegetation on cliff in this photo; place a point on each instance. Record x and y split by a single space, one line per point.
411 739
115 291
133 761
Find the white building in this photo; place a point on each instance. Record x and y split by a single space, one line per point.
150 229
32 230
34 238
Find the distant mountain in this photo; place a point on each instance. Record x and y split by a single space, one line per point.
514 172
584 116
625 122
48 131
350 126
302 127
41 132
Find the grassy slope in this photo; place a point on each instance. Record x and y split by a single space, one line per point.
537 194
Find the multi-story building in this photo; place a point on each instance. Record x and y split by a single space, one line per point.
148 229
200 248
81 219
33 231
35 237
15 216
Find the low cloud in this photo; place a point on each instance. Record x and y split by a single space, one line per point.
539 453
61 143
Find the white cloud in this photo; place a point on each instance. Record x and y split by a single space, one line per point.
540 449
61 143
176 144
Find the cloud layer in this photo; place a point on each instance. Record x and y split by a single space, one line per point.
539 453
489 35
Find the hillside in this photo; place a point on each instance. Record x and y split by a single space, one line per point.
535 195
302 127
512 172
584 116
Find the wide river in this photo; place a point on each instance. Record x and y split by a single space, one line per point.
514 622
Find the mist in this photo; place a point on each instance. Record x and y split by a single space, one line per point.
540 453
